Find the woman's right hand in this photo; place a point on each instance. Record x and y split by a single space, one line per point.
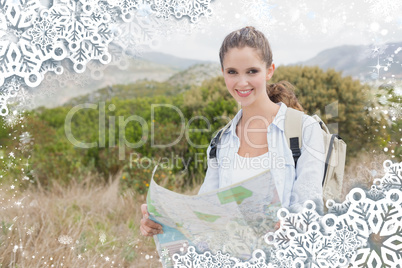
149 227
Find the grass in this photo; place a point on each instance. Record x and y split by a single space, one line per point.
362 170
64 227
89 224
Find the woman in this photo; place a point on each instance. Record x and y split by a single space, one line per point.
257 131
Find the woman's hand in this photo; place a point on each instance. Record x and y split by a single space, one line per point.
148 227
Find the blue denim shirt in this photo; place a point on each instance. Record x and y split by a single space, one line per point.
294 186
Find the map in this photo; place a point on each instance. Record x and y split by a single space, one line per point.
232 220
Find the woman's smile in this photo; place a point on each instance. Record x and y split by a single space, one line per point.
244 93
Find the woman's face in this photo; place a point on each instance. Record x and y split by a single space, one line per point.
246 75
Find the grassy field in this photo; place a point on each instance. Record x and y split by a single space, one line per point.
92 225
84 225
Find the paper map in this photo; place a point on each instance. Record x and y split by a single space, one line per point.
232 220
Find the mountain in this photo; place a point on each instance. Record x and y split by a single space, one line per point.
180 74
177 83
170 60
195 75
360 61
154 66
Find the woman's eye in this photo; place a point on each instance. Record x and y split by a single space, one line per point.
253 71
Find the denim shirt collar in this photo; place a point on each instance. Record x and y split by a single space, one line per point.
279 120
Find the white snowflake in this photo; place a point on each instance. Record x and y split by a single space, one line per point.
43 33
25 137
258 9
193 259
25 141
375 50
361 231
102 237
261 13
65 239
165 252
137 34
377 68
180 8
375 194
24 99
12 119
386 10
8 91
37 40
344 242
392 178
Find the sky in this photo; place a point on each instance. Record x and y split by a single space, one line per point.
296 30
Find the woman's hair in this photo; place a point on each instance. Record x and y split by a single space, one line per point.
284 91
248 36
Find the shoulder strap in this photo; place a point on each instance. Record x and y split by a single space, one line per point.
216 139
293 131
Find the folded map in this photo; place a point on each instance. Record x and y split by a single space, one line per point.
232 220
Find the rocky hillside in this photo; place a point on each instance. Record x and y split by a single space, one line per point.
195 75
177 83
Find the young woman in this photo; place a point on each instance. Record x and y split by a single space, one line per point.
256 135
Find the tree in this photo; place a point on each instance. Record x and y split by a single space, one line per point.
341 102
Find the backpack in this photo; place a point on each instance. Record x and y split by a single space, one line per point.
335 150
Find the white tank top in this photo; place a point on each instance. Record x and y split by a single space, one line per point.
247 167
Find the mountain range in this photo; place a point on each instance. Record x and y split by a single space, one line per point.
361 62
365 63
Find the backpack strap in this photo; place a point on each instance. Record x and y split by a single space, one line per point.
216 139
330 146
293 131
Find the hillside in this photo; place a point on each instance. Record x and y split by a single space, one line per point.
195 75
360 61
177 83
152 66
170 60
138 89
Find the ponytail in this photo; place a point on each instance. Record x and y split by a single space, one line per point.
283 91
